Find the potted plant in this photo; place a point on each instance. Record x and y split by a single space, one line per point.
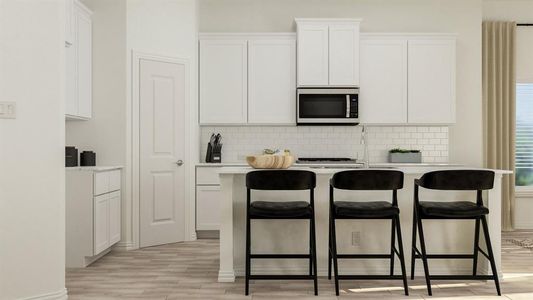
398 155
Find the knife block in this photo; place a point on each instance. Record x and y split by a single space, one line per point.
213 155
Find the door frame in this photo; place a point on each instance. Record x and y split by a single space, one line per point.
190 137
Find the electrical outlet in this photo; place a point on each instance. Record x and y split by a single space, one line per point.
8 110
356 238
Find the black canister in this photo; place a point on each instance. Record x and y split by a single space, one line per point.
88 159
71 156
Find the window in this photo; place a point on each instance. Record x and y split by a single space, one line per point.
524 134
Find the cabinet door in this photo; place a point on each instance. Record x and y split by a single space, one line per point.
312 54
101 223
344 54
383 94
84 59
71 94
207 207
69 24
223 81
272 81
431 81
114 217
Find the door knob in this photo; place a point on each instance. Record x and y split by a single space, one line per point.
179 162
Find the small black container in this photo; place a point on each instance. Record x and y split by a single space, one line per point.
88 159
71 156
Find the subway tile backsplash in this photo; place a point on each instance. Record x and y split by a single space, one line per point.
329 141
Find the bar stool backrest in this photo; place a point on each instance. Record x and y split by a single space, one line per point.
368 180
281 180
458 180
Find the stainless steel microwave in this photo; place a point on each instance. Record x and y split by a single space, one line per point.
327 106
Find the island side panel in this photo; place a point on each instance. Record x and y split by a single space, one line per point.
226 272
494 204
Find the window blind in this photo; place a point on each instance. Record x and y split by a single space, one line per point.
524 134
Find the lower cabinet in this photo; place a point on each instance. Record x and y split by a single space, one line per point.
93 213
207 198
207 207
106 221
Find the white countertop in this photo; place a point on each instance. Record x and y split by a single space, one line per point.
94 168
329 171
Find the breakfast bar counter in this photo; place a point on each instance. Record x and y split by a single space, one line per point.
292 236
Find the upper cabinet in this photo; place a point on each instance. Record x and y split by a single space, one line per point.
78 95
223 81
247 79
271 81
328 52
383 93
407 79
431 80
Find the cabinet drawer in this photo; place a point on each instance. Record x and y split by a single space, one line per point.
207 175
105 182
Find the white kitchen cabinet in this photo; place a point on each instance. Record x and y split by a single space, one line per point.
271 81
207 198
328 52
223 81
69 24
313 54
93 213
114 217
208 207
101 223
79 64
344 54
383 93
431 81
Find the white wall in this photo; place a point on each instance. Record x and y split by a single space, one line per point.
32 173
166 28
520 11
449 16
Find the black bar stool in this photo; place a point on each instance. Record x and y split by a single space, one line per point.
302 210
457 180
377 180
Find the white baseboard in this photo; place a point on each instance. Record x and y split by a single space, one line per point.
124 246
59 295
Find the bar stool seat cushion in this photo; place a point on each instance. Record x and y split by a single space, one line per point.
374 209
288 209
455 209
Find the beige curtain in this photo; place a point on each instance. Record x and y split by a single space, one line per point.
499 85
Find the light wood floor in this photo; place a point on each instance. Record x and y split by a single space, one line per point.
189 271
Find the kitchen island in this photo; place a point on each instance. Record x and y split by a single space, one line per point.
353 236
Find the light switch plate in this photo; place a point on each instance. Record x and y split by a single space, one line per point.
8 110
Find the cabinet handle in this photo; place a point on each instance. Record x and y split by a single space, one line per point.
179 162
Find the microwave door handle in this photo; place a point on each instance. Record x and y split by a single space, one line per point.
347 106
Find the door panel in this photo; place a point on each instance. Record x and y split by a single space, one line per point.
114 217
84 51
163 90
101 223
383 81
344 55
312 55
223 81
431 81
272 81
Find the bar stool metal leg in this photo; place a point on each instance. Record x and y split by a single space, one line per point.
392 245
424 254
413 245
491 255
329 248
248 260
313 254
334 253
476 248
401 255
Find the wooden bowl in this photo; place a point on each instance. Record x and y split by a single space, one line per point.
270 161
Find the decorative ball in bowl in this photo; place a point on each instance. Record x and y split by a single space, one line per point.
270 161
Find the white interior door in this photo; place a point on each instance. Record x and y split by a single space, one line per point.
163 89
